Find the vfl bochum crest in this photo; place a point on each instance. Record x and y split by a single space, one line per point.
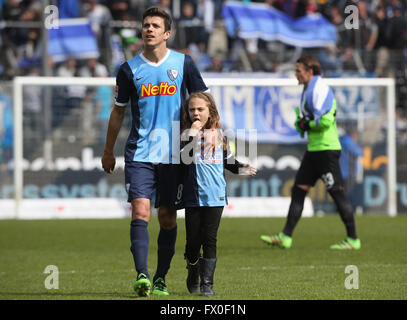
172 74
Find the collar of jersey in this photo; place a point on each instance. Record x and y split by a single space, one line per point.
159 62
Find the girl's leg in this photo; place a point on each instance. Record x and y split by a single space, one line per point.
193 247
193 231
210 218
210 224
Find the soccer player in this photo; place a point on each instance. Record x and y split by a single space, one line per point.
321 160
156 82
204 189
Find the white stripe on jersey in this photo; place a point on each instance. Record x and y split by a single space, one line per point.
319 95
121 104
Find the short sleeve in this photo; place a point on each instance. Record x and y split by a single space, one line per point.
123 86
192 76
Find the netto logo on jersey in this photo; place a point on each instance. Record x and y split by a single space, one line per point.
162 89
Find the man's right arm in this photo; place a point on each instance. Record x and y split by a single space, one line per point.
115 123
123 90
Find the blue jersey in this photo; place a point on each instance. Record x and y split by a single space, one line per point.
157 92
204 179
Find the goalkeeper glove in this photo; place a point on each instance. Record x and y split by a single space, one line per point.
303 124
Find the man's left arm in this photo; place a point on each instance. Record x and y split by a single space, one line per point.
193 78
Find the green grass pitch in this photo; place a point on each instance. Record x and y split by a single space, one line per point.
94 260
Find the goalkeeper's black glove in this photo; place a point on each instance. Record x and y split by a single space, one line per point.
303 123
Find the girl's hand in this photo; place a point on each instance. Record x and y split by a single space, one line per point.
248 170
196 125
195 128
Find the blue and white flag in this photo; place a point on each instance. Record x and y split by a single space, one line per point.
260 21
73 38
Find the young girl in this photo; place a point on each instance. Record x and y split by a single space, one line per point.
204 191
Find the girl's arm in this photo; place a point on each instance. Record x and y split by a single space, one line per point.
234 166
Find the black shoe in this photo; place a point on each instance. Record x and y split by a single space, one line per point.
193 275
207 270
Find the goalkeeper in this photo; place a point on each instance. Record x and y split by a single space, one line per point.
321 160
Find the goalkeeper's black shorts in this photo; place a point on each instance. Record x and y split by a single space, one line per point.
322 165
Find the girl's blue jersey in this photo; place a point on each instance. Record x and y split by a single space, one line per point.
204 183
157 93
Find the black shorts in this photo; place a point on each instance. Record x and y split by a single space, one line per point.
323 165
142 179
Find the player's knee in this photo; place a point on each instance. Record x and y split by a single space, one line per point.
167 218
298 192
140 209
343 204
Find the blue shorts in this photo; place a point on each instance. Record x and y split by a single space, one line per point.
143 179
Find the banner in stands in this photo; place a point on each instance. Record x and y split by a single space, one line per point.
253 21
73 38
271 110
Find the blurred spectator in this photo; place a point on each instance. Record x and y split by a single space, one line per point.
71 94
290 7
396 31
217 64
12 10
381 47
99 18
198 54
131 42
311 7
206 14
344 46
366 36
98 14
93 68
351 167
329 59
28 44
88 117
32 103
103 101
166 5
190 27
119 9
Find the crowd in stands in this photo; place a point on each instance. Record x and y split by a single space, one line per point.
376 47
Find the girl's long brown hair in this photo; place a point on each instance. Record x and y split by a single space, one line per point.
214 118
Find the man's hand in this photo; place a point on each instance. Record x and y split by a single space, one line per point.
108 162
212 138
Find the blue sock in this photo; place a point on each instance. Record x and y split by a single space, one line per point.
139 245
166 249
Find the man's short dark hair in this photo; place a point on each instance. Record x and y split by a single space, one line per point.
158 12
311 63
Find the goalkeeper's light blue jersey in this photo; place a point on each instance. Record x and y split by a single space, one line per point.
157 93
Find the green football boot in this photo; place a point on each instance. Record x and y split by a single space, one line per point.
142 285
160 288
280 240
347 244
